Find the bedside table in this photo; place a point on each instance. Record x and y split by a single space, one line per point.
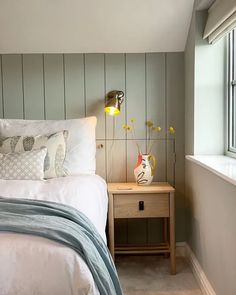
129 200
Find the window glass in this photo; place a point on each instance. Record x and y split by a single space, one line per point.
232 94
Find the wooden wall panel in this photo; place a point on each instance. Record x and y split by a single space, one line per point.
159 152
155 230
121 231
116 160
156 92
13 86
137 231
33 86
54 86
170 161
74 86
57 86
175 117
101 158
115 80
136 92
95 90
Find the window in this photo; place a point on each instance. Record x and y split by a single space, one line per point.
231 145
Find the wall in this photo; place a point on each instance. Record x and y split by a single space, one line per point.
205 91
189 62
210 200
62 86
209 92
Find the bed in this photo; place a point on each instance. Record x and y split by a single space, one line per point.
32 264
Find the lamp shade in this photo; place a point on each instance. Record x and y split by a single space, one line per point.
114 99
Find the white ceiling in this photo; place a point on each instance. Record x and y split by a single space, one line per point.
52 26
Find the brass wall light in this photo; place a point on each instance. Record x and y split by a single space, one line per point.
114 99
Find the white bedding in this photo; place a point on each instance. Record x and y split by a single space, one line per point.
32 265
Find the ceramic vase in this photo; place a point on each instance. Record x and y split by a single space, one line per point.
144 170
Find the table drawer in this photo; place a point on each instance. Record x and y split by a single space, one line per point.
128 206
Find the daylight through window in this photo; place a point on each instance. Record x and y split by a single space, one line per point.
232 94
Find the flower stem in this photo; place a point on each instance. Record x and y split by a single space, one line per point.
134 138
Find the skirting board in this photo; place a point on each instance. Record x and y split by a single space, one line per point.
183 250
180 249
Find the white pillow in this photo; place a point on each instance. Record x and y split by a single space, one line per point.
81 144
23 165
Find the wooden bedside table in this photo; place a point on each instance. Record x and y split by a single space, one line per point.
129 200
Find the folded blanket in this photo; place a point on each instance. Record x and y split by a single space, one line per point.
67 226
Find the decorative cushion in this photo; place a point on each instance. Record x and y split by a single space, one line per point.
55 144
23 165
81 144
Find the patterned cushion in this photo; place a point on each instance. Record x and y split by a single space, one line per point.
23 165
55 144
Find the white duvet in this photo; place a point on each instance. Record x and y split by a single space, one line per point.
32 265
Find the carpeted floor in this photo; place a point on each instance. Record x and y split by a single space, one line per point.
149 275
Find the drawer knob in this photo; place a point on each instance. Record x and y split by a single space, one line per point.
141 205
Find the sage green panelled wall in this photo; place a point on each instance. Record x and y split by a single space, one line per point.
63 86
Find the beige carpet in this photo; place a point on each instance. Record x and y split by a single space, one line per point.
149 275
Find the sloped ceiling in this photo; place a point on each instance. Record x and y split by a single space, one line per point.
82 26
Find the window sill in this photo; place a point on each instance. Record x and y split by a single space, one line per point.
223 166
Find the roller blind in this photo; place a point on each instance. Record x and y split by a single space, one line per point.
221 19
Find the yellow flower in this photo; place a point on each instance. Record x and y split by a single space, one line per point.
158 129
149 124
126 127
132 120
172 130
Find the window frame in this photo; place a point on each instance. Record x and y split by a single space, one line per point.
231 99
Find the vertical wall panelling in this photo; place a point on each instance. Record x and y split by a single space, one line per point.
101 158
12 86
116 160
54 86
74 86
115 80
156 96
154 230
121 231
170 160
1 90
33 86
95 90
136 92
57 86
116 148
159 152
137 231
175 117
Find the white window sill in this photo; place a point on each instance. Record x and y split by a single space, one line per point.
223 166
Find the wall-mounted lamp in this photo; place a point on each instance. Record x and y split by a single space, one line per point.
114 99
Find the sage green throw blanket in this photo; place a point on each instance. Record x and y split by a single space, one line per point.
67 226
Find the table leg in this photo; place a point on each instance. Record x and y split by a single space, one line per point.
172 234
